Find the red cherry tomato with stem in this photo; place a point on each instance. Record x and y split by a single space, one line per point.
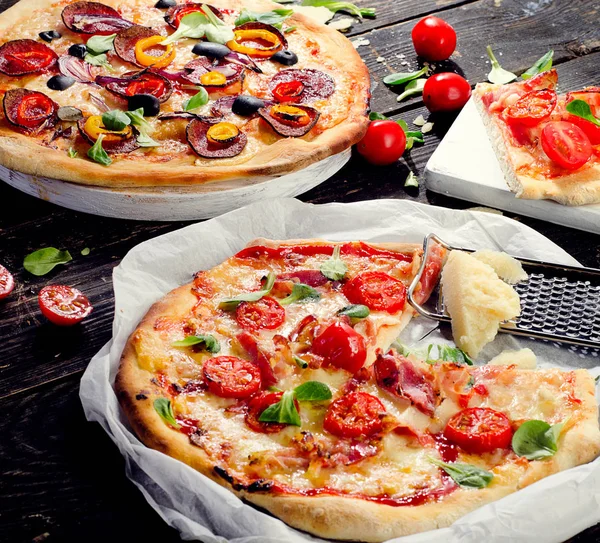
7 282
479 430
357 414
377 290
341 346
446 92
63 305
266 313
433 38
383 143
231 377
566 144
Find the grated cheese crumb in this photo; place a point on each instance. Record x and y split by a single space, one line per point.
342 24
419 121
380 59
360 41
427 127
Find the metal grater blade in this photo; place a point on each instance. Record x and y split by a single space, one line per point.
558 303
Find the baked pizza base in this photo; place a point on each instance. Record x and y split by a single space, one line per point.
22 153
579 188
337 517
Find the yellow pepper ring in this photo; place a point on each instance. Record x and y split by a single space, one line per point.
213 78
222 133
141 46
258 37
290 115
93 127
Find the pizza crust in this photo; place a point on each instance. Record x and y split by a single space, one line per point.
579 188
22 153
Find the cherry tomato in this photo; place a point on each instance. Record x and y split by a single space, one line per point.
266 313
383 143
62 305
434 38
341 346
566 144
479 429
357 414
532 108
377 290
446 92
288 91
257 405
7 282
231 377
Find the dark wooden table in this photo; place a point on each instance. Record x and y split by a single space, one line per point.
61 477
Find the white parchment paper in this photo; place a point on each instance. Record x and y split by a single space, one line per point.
549 511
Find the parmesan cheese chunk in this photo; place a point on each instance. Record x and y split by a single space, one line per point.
509 269
523 358
477 301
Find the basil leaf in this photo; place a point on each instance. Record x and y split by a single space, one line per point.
412 180
536 439
85 251
137 118
413 88
312 391
115 120
334 268
498 75
98 154
465 475
98 60
163 407
416 135
232 303
582 109
301 293
401 78
44 260
198 100
355 311
144 140
289 28
284 411
97 45
541 65
402 124
374 116
72 153
453 354
299 362
274 18
192 25
210 342
335 6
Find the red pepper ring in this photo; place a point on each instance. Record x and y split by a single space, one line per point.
288 91
176 13
223 142
290 121
21 57
31 110
257 40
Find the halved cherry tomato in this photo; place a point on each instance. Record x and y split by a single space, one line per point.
288 91
479 430
446 92
566 144
384 143
266 313
341 346
434 38
357 414
63 305
532 108
377 290
257 405
7 282
231 377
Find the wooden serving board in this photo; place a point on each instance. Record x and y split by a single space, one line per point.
465 166
174 203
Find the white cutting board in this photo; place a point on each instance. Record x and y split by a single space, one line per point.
465 166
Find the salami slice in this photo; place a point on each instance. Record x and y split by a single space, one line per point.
287 127
125 145
196 133
317 85
93 18
202 65
176 13
126 39
222 106
21 57
29 110
144 82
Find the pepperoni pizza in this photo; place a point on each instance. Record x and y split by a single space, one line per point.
273 375
173 94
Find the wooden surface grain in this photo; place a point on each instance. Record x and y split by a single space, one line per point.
61 478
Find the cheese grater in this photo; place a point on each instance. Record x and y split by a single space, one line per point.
558 303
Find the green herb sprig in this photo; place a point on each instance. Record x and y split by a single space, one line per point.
274 18
536 439
335 6
44 260
498 74
97 153
208 340
285 412
334 268
301 293
542 64
582 109
465 475
163 407
231 303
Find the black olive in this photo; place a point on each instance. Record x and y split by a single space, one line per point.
285 57
246 105
149 103
60 82
49 35
69 113
164 4
210 50
78 50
